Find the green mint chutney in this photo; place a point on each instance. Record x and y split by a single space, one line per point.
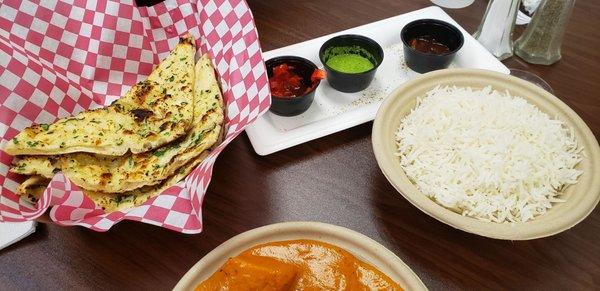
350 63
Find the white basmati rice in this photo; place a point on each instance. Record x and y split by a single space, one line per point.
486 154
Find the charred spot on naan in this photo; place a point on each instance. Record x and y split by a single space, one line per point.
105 178
140 95
186 39
141 114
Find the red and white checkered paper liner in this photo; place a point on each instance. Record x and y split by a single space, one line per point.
60 57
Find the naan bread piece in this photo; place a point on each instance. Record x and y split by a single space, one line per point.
112 202
32 189
152 113
35 165
120 174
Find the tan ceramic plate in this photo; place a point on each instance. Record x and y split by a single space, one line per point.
581 197
361 246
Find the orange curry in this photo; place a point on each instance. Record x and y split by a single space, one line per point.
297 265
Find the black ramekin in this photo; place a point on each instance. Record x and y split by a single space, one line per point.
352 82
290 106
441 31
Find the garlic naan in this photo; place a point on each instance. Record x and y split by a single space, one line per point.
33 188
152 113
125 173
111 202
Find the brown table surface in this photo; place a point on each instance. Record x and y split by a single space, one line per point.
334 179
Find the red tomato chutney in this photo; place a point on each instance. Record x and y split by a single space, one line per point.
285 82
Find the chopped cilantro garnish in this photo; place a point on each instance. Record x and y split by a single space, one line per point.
21 167
32 143
199 138
122 198
142 132
160 152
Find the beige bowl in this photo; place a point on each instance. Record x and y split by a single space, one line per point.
581 197
361 246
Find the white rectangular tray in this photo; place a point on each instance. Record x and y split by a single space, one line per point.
333 111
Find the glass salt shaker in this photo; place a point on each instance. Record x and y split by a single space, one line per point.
496 27
541 41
